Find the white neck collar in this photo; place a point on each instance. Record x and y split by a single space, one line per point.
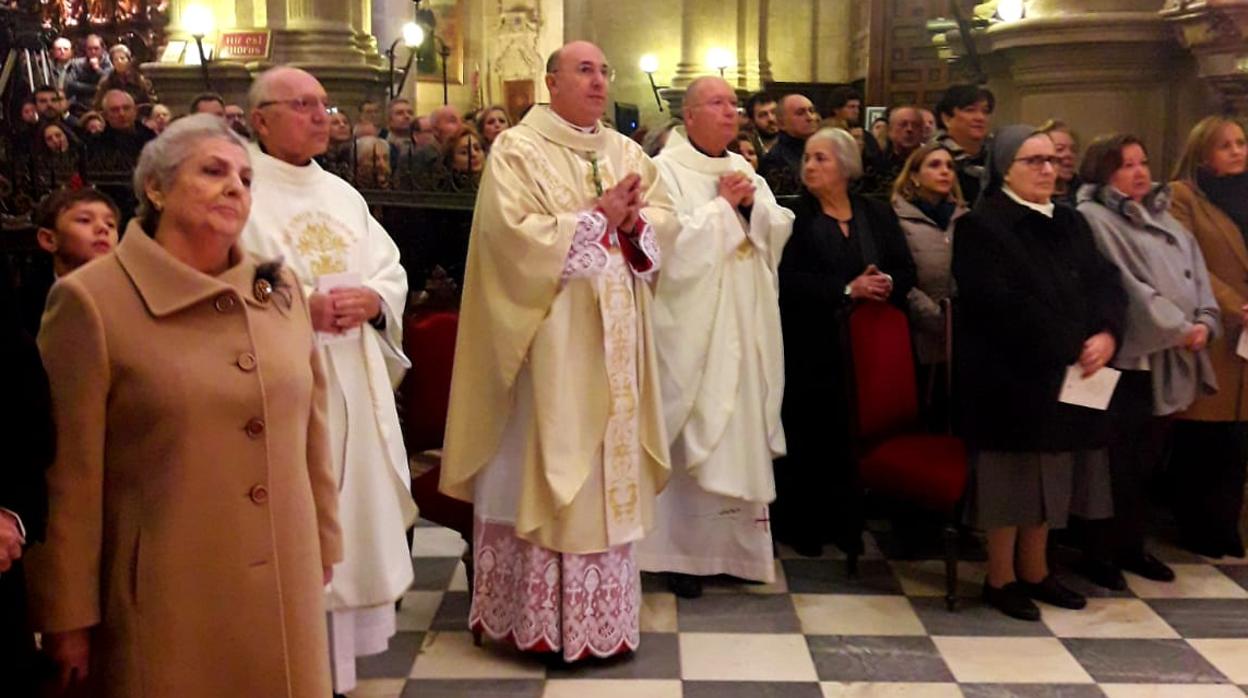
569 124
1045 210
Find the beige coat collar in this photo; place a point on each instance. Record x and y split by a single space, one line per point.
167 285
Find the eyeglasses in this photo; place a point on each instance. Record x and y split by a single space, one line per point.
717 103
302 105
1037 162
588 70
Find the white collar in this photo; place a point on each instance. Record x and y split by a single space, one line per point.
1045 210
569 124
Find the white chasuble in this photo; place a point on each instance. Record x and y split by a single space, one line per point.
555 422
717 331
317 224
555 429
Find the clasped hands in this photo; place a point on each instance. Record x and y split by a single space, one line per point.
622 204
737 189
343 308
871 285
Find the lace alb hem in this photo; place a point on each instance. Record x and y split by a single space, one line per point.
544 601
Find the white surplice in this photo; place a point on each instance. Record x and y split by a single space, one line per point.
721 364
319 225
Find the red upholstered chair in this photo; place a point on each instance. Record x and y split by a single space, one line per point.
429 341
895 457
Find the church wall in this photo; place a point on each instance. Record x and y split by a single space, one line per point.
626 31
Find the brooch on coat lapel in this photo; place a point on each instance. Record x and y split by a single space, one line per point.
269 284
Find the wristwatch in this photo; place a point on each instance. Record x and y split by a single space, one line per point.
849 291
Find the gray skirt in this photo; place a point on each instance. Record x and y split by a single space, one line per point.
1030 488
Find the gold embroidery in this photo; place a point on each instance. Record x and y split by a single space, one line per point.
321 241
621 446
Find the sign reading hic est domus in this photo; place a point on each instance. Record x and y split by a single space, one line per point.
243 45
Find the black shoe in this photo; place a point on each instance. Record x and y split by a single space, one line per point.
1102 573
1052 592
1148 567
1011 600
686 586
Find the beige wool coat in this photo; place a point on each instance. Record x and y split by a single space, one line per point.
1227 258
192 503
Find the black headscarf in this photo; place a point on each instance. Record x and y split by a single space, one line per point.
1229 193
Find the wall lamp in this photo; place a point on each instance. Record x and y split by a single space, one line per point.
650 64
198 21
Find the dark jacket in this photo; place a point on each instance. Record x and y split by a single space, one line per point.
813 280
1031 291
28 437
782 165
81 80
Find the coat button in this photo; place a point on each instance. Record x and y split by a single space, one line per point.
259 494
225 303
255 427
1188 273
247 361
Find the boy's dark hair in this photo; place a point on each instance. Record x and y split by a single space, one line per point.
841 96
961 97
206 97
757 99
61 200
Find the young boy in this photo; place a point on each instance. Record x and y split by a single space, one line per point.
75 227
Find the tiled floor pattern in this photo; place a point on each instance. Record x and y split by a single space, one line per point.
816 633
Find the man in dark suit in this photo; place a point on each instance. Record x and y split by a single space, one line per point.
28 437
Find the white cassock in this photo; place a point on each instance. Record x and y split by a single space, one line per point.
721 365
319 225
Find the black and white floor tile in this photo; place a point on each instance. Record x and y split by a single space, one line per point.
815 633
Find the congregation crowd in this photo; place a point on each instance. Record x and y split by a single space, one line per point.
650 371
90 120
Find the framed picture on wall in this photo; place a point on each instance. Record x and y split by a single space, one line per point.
873 113
443 19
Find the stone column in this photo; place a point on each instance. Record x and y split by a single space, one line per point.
706 24
329 38
1216 32
1101 65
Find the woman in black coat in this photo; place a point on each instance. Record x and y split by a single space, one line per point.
1035 297
845 249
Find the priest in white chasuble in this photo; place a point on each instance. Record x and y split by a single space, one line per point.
555 430
349 268
721 361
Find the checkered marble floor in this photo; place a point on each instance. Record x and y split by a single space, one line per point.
816 633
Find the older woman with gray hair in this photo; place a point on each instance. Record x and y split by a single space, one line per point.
193 513
845 250
1037 303
1164 357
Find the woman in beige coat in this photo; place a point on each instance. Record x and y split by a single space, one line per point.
928 202
193 516
1210 446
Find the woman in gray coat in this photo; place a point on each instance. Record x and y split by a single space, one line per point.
928 202
1171 316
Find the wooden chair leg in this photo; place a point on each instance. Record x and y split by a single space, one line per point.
951 566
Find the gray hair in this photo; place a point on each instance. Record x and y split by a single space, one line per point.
162 157
844 148
262 85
